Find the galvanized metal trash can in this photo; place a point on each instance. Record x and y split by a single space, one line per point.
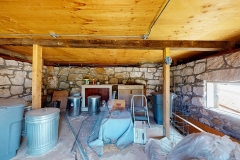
74 105
24 129
42 130
94 103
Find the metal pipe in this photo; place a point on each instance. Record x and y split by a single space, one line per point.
83 154
153 23
74 144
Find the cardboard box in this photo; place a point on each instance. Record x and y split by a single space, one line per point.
139 132
118 104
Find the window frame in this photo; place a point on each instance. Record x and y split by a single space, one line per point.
213 104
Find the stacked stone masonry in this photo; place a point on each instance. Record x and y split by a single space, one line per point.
16 79
189 82
71 78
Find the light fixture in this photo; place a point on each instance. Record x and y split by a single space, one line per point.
54 35
145 36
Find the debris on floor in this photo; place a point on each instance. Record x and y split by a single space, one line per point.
134 151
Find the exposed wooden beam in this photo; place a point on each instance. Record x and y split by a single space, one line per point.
36 76
166 94
15 55
122 44
64 64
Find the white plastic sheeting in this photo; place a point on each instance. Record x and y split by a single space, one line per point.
199 146
158 149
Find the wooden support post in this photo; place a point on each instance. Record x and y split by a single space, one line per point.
36 76
166 94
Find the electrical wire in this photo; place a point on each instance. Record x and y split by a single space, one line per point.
154 22
54 35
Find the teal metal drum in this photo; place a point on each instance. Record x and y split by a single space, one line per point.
42 130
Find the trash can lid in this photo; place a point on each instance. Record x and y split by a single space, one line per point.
13 106
94 96
42 112
75 97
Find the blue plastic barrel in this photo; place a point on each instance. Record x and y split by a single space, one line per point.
157 98
10 130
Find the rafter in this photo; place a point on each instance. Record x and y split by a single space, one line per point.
15 55
122 44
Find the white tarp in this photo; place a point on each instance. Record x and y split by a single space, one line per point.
200 146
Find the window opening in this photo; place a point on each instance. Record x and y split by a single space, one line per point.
223 95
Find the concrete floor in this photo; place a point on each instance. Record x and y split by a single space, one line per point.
65 142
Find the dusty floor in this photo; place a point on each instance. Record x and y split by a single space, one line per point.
65 142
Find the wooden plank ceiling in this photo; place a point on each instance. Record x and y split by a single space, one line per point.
120 20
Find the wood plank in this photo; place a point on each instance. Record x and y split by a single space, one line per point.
122 44
209 129
15 55
61 96
166 94
36 76
202 126
181 20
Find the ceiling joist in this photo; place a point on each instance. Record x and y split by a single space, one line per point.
122 44
14 55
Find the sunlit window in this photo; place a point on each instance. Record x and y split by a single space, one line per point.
224 95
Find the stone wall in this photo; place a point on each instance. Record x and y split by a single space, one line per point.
71 78
16 79
189 82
